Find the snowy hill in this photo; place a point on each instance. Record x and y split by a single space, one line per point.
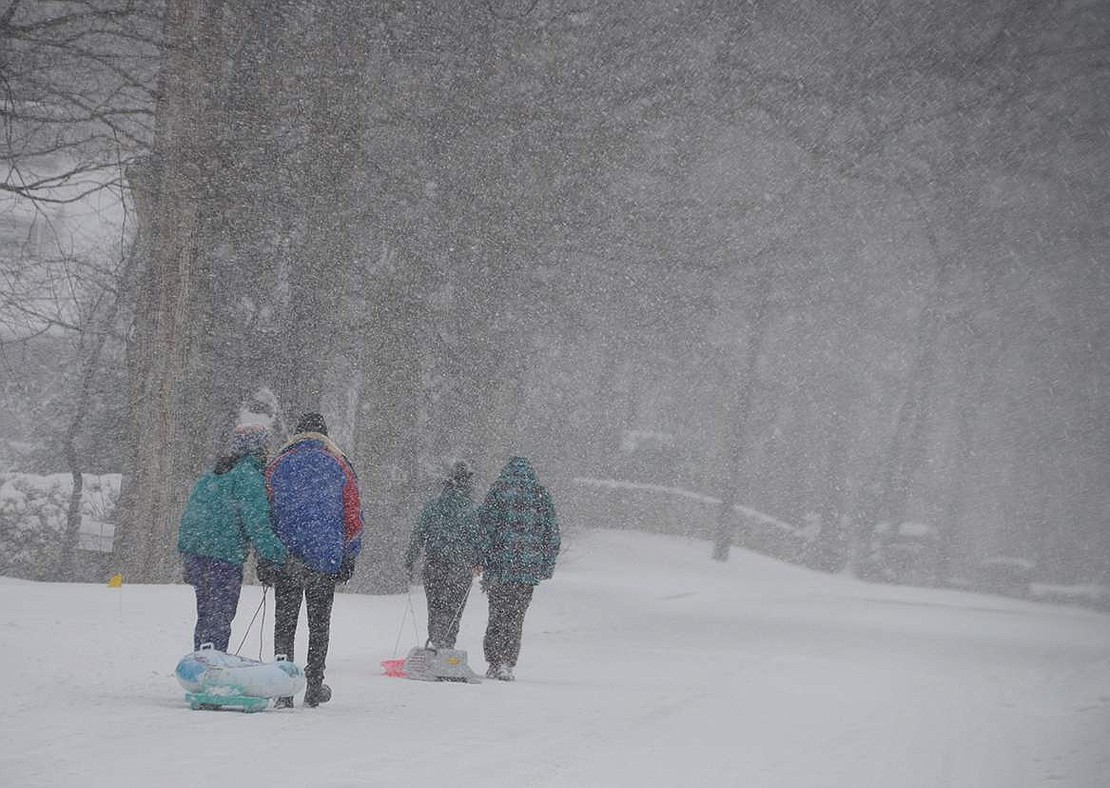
644 664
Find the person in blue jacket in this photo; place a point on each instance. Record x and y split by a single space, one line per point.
227 510
447 533
519 542
317 514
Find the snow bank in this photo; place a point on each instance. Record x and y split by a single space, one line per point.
33 512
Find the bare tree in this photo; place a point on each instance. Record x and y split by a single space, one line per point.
76 94
101 327
76 101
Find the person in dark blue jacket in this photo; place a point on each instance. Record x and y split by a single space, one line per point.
519 543
447 533
317 514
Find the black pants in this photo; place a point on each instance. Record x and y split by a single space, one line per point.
446 587
508 602
318 591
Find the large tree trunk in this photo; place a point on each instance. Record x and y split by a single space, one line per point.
977 377
324 286
387 441
885 498
829 550
739 411
233 331
159 353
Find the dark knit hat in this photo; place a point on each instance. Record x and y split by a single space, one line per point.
312 422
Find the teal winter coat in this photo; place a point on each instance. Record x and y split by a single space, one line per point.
519 532
227 510
447 530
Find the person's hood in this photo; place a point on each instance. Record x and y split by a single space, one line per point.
518 470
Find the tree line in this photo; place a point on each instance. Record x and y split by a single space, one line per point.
851 257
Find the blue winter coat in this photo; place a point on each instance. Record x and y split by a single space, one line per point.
314 501
519 532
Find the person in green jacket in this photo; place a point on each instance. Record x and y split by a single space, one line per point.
227 508
447 532
519 542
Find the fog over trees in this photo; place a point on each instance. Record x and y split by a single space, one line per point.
842 263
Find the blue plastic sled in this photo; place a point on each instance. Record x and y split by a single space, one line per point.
215 680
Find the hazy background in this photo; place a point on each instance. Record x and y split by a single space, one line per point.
843 263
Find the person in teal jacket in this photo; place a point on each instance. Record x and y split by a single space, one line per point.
447 533
227 509
519 543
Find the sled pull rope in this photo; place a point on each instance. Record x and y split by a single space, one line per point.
408 611
262 628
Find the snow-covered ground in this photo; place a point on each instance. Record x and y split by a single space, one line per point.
644 664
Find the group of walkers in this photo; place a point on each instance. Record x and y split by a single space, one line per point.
511 540
301 512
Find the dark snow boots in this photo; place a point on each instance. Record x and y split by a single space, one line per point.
317 694
313 697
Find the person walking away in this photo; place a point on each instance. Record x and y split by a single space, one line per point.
447 533
317 514
226 509
519 542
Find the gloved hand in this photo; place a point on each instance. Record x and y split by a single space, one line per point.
346 571
268 572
